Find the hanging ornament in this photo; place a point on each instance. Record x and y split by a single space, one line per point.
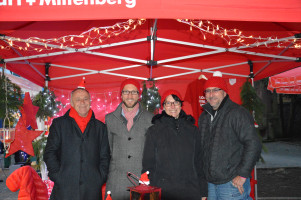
150 97
29 111
23 139
46 101
7 135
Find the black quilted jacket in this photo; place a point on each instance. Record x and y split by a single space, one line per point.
230 144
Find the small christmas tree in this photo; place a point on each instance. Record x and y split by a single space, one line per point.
14 97
251 101
45 100
150 97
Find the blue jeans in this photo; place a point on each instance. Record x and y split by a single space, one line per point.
227 191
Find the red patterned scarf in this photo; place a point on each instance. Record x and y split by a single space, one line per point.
81 121
129 115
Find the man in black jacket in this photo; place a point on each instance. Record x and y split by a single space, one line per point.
231 146
77 153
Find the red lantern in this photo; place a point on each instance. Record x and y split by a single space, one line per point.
145 192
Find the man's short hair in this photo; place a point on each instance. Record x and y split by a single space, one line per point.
79 89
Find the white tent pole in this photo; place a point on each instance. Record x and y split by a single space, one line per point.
263 61
122 75
177 67
76 68
95 71
225 66
189 44
264 43
190 56
28 63
175 75
117 57
73 50
152 48
284 50
24 63
35 42
47 78
76 75
38 56
152 38
251 76
230 74
116 44
263 54
121 68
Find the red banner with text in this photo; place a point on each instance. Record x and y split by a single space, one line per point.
248 10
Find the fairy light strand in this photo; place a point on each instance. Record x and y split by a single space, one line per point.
234 37
99 35
92 37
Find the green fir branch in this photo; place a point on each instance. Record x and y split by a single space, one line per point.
251 101
14 97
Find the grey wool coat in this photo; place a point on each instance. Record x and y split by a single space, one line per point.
126 150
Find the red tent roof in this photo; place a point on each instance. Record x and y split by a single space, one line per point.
179 51
233 10
263 35
288 82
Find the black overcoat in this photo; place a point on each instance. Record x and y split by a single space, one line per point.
77 162
172 154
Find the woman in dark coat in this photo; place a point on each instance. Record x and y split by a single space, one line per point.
172 152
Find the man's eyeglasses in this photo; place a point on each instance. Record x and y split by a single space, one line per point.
214 91
169 104
126 92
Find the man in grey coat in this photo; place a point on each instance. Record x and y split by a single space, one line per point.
127 127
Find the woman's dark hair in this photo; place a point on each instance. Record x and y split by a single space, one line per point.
176 98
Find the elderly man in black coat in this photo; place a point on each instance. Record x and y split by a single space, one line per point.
77 153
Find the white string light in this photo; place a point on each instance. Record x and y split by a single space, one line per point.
234 36
97 35
92 37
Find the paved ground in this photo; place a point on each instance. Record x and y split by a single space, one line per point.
5 193
279 178
281 154
279 183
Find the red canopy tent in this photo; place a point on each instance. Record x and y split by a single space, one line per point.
64 40
288 82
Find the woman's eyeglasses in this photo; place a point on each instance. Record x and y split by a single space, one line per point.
169 104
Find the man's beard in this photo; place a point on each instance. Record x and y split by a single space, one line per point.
128 106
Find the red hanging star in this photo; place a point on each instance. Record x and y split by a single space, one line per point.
29 112
23 139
